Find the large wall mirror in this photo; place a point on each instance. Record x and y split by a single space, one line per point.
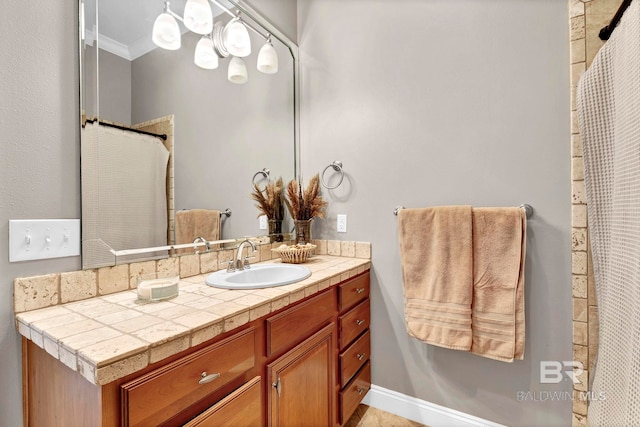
162 136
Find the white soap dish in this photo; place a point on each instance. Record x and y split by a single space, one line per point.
158 289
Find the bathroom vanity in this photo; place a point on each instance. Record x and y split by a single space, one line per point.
304 360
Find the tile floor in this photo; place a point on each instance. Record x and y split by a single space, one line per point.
366 416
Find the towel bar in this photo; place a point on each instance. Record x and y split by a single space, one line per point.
528 210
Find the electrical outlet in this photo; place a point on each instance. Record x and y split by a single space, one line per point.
342 223
263 222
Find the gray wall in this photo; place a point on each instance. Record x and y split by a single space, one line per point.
446 102
39 166
115 86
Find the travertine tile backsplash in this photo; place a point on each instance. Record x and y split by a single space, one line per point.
31 293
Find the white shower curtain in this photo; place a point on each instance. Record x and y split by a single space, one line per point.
124 199
609 113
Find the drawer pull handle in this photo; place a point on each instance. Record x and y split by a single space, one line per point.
359 290
360 356
359 322
361 390
206 378
278 386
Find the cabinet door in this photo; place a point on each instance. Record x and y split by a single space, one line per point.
302 383
240 408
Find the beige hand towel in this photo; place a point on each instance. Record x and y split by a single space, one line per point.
437 268
499 242
196 223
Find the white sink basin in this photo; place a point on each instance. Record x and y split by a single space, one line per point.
259 276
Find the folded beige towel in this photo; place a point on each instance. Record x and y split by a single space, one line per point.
196 223
437 268
499 243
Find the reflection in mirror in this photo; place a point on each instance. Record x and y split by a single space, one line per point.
204 138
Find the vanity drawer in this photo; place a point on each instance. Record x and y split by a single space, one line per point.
353 323
353 291
290 327
243 407
158 395
354 392
354 357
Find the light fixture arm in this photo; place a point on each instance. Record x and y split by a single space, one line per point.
171 12
246 24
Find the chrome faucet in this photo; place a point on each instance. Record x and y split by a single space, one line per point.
240 264
203 240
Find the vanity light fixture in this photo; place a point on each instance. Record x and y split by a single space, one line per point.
204 55
236 38
268 58
237 72
198 16
166 32
218 40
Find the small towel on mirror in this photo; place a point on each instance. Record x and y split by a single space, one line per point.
194 223
437 266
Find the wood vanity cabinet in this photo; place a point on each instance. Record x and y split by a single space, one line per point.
304 365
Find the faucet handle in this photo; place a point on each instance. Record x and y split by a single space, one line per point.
247 265
230 267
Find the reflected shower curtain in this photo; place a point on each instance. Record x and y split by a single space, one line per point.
124 201
609 113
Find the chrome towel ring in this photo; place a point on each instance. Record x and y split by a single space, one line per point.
264 172
337 166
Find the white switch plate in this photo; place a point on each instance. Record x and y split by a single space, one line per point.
262 219
342 223
31 239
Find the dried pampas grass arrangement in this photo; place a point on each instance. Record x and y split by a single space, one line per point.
308 204
270 200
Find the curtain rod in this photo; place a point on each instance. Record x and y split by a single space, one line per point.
605 32
144 132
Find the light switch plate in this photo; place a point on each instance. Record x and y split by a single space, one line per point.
262 220
31 239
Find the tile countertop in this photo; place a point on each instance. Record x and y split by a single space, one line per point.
106 338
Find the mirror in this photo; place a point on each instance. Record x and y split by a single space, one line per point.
219 134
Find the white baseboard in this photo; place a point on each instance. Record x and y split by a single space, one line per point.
421 411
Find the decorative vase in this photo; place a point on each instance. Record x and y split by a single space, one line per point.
275 230
303 230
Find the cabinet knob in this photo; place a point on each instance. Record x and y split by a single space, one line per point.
278 386
359 290
360 356
360 322
361 390
206 378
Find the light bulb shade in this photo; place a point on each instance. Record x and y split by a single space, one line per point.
237 72
236 39
198 16
166 32
268 59
204 56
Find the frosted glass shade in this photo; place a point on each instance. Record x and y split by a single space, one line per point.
198 16
268 59
166 33
236 39
237 72
204 56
